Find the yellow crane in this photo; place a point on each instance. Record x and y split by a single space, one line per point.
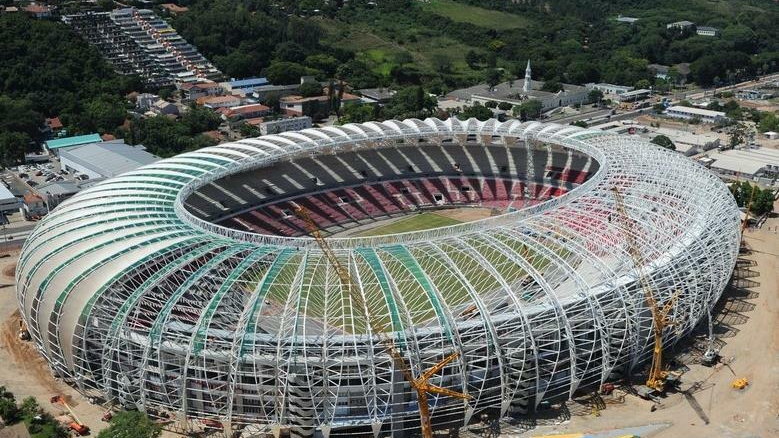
420 384
657 374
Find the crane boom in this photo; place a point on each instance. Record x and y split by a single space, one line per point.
421 384
657 374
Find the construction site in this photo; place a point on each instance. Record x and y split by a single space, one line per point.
613 290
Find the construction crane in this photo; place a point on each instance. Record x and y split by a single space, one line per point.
76 425
420 384
657 374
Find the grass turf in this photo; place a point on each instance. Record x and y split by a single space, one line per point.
475 15
417 222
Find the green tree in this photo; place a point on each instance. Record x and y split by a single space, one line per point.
528 110
492 77
248 131
643 84
768 122
477 111
763 202
552 86
410 102
200 119
13 146
664 141
310 89
29 407
18 115
595 96
134 424
737 135
285 73
473 59
357 113
104 113
504 106
322 62
441 62
8 409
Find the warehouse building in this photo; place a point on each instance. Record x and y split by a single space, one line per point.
690 113
106 159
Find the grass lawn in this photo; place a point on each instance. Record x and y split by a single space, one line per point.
379 52
475 15
417 222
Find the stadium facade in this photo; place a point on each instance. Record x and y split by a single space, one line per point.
189 290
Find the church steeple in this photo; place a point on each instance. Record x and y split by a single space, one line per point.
528 80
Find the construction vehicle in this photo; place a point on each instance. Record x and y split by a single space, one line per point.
656 380
76 425
24 334
420 384
740 383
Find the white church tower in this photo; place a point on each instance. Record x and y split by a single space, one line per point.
528 81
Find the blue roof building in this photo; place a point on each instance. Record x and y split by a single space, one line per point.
53 145
248 84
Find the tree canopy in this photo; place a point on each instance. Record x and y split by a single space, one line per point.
134 424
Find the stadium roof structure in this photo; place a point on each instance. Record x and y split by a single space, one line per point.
138 289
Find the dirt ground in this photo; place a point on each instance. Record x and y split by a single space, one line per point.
747 328
465 214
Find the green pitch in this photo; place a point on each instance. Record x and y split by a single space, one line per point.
417 222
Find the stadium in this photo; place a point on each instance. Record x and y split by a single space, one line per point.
191 290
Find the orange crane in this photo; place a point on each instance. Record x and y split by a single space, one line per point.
420 384
657 374
76 425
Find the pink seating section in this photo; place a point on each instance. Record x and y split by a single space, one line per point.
334 208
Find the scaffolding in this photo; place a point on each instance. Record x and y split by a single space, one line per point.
136 291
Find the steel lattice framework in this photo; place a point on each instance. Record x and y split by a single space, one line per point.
133 295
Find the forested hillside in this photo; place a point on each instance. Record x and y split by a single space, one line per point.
446 44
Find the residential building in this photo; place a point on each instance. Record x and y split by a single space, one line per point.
609 88
165 108
707 31
174 9
137 41
55 146
242 112
680 25
51 127
688 113
628 20
106 159
195 90
215 102
296 105
771 135
284 125
58 191
379 96
38 10
32 205
144 101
